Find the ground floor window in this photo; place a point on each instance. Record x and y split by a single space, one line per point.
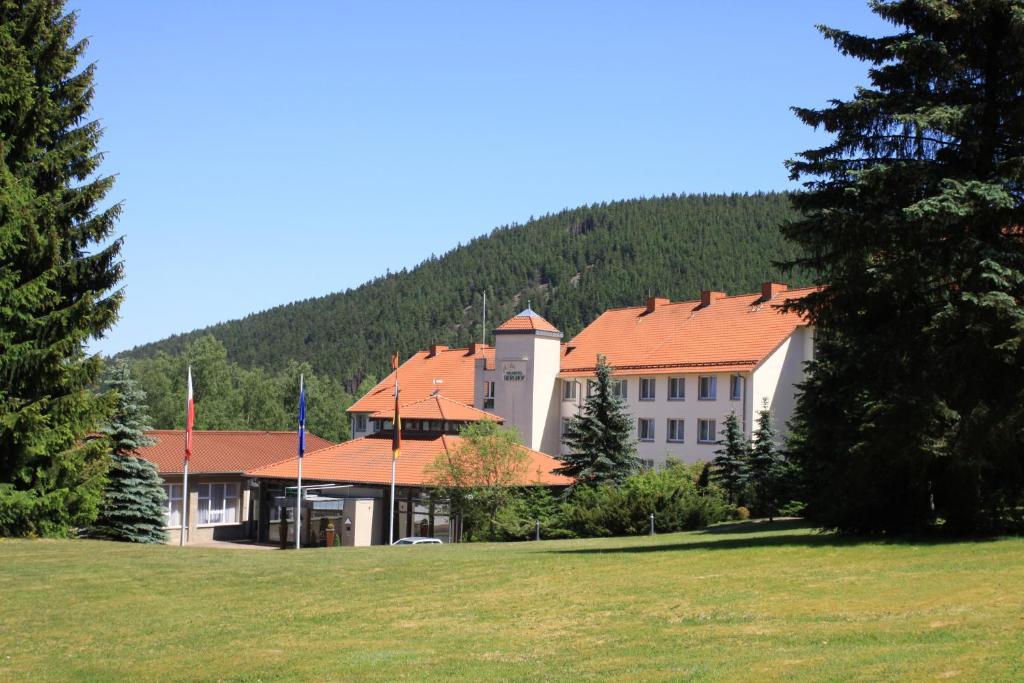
172 513
218 503
417 513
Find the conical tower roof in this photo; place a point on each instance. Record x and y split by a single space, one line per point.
525 322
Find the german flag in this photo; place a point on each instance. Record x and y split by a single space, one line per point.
396 438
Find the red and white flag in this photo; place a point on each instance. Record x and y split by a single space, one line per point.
190 416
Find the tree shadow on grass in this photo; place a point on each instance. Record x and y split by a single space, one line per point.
792 532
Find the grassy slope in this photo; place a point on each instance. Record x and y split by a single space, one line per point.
735 603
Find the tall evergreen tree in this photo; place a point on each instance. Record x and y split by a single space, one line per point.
914 407
133 500
56 275
729 466
600 437
764 464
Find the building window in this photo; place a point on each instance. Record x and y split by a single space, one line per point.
676 388
646 463
569 390
706 431
645 429
646 388
735 388
675 430
218 503
619 388
591 387
488 395
173 510
565 426
360 423
707 388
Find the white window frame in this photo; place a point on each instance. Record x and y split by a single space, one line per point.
569 389
361 422
591 383
680 429
712 385
565 426
646 463
702 424
735 387
169 489
488 394
235 500
650 383
649 421
682 385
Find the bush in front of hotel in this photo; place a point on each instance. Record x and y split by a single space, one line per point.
671 494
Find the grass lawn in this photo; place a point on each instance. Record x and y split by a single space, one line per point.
742 602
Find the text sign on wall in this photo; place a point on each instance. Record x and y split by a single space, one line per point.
513 370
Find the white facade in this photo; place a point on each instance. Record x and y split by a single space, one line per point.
525 385
536 402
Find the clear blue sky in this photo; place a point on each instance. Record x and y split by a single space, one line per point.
272 152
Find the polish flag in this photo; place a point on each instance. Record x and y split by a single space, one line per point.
190 416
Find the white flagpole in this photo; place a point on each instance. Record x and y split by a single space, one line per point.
298 507
184 505
189 417
298 491
391 517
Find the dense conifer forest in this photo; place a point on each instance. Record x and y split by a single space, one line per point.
570 266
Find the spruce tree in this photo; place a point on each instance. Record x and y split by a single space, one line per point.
58 270
913 410
600 437
729 466
133 500
764 464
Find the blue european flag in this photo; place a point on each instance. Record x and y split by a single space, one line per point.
302 417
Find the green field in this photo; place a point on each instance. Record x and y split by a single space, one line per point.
746 602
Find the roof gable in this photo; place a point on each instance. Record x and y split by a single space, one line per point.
437 407
453 367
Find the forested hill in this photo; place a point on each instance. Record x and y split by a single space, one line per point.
570 265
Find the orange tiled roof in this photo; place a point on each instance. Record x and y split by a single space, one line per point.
221 452
732 334
526 321
368 461
454 367
437 407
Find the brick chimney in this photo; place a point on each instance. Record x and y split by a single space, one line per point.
654 302
475 348
709 295
770 290
436 349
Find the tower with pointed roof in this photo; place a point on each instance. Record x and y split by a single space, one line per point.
527 356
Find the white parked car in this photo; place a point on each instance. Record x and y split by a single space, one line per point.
417 540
